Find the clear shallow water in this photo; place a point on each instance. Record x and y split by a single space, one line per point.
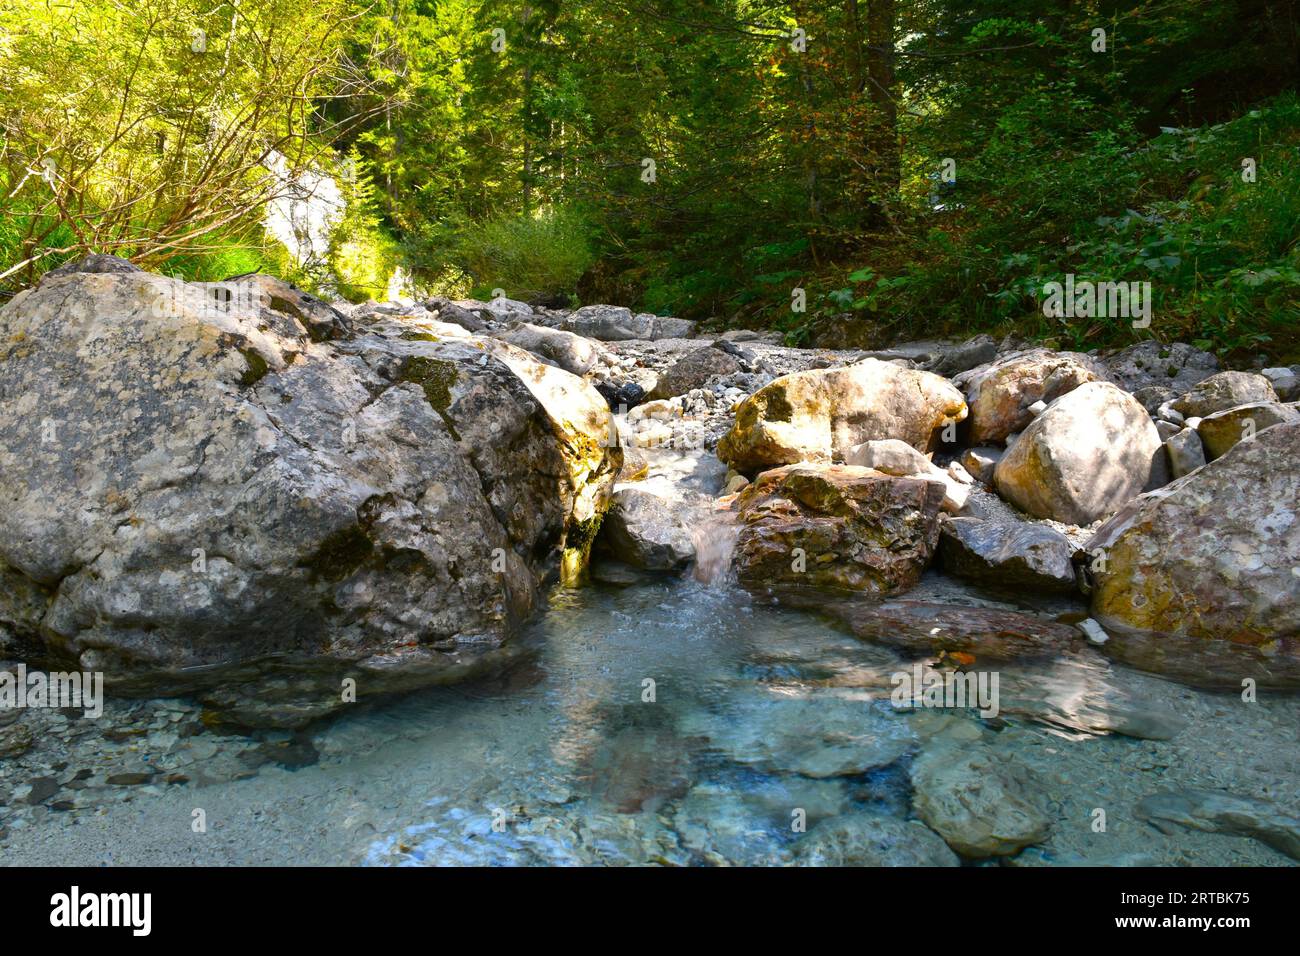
756 713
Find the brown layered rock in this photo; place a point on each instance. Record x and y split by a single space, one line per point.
925 628
836 528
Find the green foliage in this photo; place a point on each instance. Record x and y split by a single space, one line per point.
225 258
147 129
363 255
1221 253
542 255
497 144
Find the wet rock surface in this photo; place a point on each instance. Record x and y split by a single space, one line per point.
647 530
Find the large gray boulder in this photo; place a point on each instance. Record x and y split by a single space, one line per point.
646 528
1156 372
614 323
199 497
695 369
1222 391
1201 579
1093 449
565 350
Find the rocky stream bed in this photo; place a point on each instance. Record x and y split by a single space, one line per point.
475 583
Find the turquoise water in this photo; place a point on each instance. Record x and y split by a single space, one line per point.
669 722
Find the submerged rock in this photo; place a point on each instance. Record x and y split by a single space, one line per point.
1078 693
926 628
1223 813
208 499
16 738
1201 579
728 825
837 528
818 734
868 839
1092 450
980 803
819 414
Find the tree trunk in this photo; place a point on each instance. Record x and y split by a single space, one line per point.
883 151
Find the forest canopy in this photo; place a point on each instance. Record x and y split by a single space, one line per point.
905 166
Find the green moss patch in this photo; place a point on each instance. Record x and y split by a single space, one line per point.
436 377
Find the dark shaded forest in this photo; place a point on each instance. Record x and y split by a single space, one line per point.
852 173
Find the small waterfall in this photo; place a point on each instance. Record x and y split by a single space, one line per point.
715 535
